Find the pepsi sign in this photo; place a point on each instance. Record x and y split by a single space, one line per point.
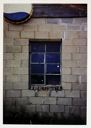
17 13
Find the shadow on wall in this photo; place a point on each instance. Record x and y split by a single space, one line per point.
20 116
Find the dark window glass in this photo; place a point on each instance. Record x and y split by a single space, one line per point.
37 58
52 58
37 79
37 68
45 63
37 47
52 79
53 68
53 47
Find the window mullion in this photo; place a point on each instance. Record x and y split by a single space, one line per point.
45 66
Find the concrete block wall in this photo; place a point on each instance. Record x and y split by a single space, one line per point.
72 98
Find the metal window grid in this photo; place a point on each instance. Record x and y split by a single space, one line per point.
45 63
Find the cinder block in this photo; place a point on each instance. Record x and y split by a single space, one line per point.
67 109
57 93
26 93
66 56
12 49
66 85
8 85
56 108
79 101
12 34
79 56
66 71
83 78
75 35
15 27
45 28
80 42
79 86
83 112
12 78
21 56
49 100
83 86
4 77
8 56
21 101
67 42
56 35
9 101
27 34
13 63
71 34
83 94
69 78
36 100
8 71
13 93
79 71
41 35
25 49
6 25
69 63
60 27
38 21
24 77
84 27
83 49
23 42
20 70
75 110
76 86
42 108
43 93
73 93
52 20
30 108
20 85
64 101
67 20
24 63
4 63
8 41
70 49
79 20
30 27
73 27
82 63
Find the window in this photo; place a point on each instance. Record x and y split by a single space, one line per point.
45 63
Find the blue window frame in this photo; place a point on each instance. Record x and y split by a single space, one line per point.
45 62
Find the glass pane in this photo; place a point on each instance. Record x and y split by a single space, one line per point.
53 68
37 47
37 68
53 79
37 79
53 47
37 58
52 58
